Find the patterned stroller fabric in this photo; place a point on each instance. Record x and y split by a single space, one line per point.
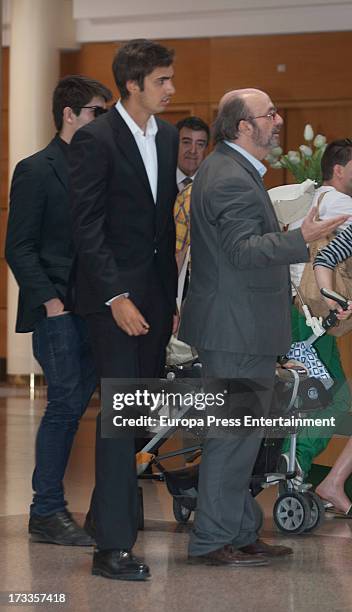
309 357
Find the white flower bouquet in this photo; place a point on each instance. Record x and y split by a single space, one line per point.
304 163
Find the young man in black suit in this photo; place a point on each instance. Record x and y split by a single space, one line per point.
123 182
39 252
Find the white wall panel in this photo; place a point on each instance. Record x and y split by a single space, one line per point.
89 9
108 20
287 19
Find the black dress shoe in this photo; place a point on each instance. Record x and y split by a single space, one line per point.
58 528
119 565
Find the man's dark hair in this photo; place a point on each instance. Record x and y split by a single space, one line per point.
194 123
136 59
76 91
230 114
337 152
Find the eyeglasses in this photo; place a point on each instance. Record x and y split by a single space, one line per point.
270 115
97 110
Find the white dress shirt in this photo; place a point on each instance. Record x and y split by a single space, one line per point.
146 144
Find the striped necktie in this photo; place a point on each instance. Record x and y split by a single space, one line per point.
186 181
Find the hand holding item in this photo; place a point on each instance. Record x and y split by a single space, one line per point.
342 314
325 280
128 317
313 229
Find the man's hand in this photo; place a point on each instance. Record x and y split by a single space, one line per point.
54 307
128 317
312 229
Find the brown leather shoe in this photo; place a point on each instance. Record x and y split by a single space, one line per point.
268 550
227 555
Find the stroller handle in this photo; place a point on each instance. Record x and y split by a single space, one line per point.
331 319
337 297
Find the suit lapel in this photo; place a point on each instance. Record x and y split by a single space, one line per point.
58 162
243 161
163 154
128 147
271 212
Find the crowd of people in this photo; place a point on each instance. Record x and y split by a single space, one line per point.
101 223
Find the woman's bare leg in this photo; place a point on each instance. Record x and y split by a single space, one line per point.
332 487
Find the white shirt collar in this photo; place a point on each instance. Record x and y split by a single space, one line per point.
151 127
253 160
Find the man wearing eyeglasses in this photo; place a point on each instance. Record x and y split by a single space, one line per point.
237 315
39 252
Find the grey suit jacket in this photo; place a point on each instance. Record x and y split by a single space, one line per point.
239 295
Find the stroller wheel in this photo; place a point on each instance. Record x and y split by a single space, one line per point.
292 513
317 511
181 513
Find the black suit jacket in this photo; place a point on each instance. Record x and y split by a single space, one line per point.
39 247
120 234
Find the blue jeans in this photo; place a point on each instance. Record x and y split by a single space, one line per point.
61 346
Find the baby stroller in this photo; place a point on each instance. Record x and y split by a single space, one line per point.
299 389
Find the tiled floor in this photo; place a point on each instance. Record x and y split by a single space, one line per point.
316 579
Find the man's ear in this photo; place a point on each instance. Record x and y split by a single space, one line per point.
245 128
338 171
68 115
132 87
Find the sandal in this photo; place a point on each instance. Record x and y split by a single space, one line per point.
329 507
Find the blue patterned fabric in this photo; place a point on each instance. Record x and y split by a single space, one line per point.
309 357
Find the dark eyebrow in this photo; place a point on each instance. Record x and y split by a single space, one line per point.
164 78
200 139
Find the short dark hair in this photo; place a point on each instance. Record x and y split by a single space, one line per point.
75 91
136 59
337 152
230 114
194 123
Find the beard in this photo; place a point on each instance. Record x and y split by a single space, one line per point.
265 141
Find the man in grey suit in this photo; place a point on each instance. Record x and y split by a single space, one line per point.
237 313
